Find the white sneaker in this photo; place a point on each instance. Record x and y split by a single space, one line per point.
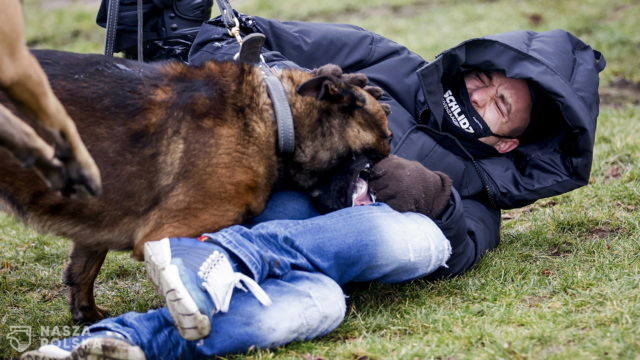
197 281
91 347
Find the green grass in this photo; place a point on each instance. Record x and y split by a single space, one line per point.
564 283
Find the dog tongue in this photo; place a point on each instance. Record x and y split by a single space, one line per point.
361 194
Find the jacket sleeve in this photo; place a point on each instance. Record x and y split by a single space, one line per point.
386 63
312 44
472 228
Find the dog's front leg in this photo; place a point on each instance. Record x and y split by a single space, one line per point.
80 275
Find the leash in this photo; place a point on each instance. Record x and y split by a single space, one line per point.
113 12
249 53
229 19
140 30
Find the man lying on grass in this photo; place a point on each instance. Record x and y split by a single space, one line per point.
509 118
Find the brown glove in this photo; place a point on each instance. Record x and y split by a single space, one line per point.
408 186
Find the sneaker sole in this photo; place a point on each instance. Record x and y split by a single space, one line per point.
190 322
93 349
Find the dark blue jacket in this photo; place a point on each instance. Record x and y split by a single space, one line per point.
556 151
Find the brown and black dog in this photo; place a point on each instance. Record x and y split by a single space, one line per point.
185 150
65 164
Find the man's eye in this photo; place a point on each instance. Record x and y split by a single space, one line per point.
483 77
502 108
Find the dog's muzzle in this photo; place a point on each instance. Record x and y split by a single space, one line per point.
347 186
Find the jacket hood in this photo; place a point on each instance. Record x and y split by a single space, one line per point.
556 151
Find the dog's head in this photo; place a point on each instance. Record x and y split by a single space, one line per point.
339 122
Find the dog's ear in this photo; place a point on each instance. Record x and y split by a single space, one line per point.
329 70
332 89
320 87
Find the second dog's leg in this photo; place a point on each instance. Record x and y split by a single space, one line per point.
23 142
32 91
80 275
26 84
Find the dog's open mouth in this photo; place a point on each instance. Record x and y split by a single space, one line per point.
347 186
361 194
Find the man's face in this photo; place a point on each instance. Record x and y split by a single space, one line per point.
504 104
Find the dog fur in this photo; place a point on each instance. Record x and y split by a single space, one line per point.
185 150
67 162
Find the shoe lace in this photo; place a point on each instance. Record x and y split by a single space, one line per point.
220 280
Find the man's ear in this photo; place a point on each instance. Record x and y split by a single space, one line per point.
505 145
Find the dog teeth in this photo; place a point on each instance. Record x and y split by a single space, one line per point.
361 194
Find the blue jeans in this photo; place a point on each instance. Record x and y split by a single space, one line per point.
301 263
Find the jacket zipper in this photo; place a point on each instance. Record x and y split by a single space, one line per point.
479 171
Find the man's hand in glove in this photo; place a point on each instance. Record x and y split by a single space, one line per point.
408 186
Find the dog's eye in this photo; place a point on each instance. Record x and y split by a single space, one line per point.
390 138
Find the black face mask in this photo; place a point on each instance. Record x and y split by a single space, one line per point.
461 118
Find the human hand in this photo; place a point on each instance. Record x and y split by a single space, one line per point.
408 186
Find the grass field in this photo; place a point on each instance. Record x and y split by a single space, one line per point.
563 284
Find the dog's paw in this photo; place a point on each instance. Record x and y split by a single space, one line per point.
89 315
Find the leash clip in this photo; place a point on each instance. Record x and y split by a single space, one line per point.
235 31
230 20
